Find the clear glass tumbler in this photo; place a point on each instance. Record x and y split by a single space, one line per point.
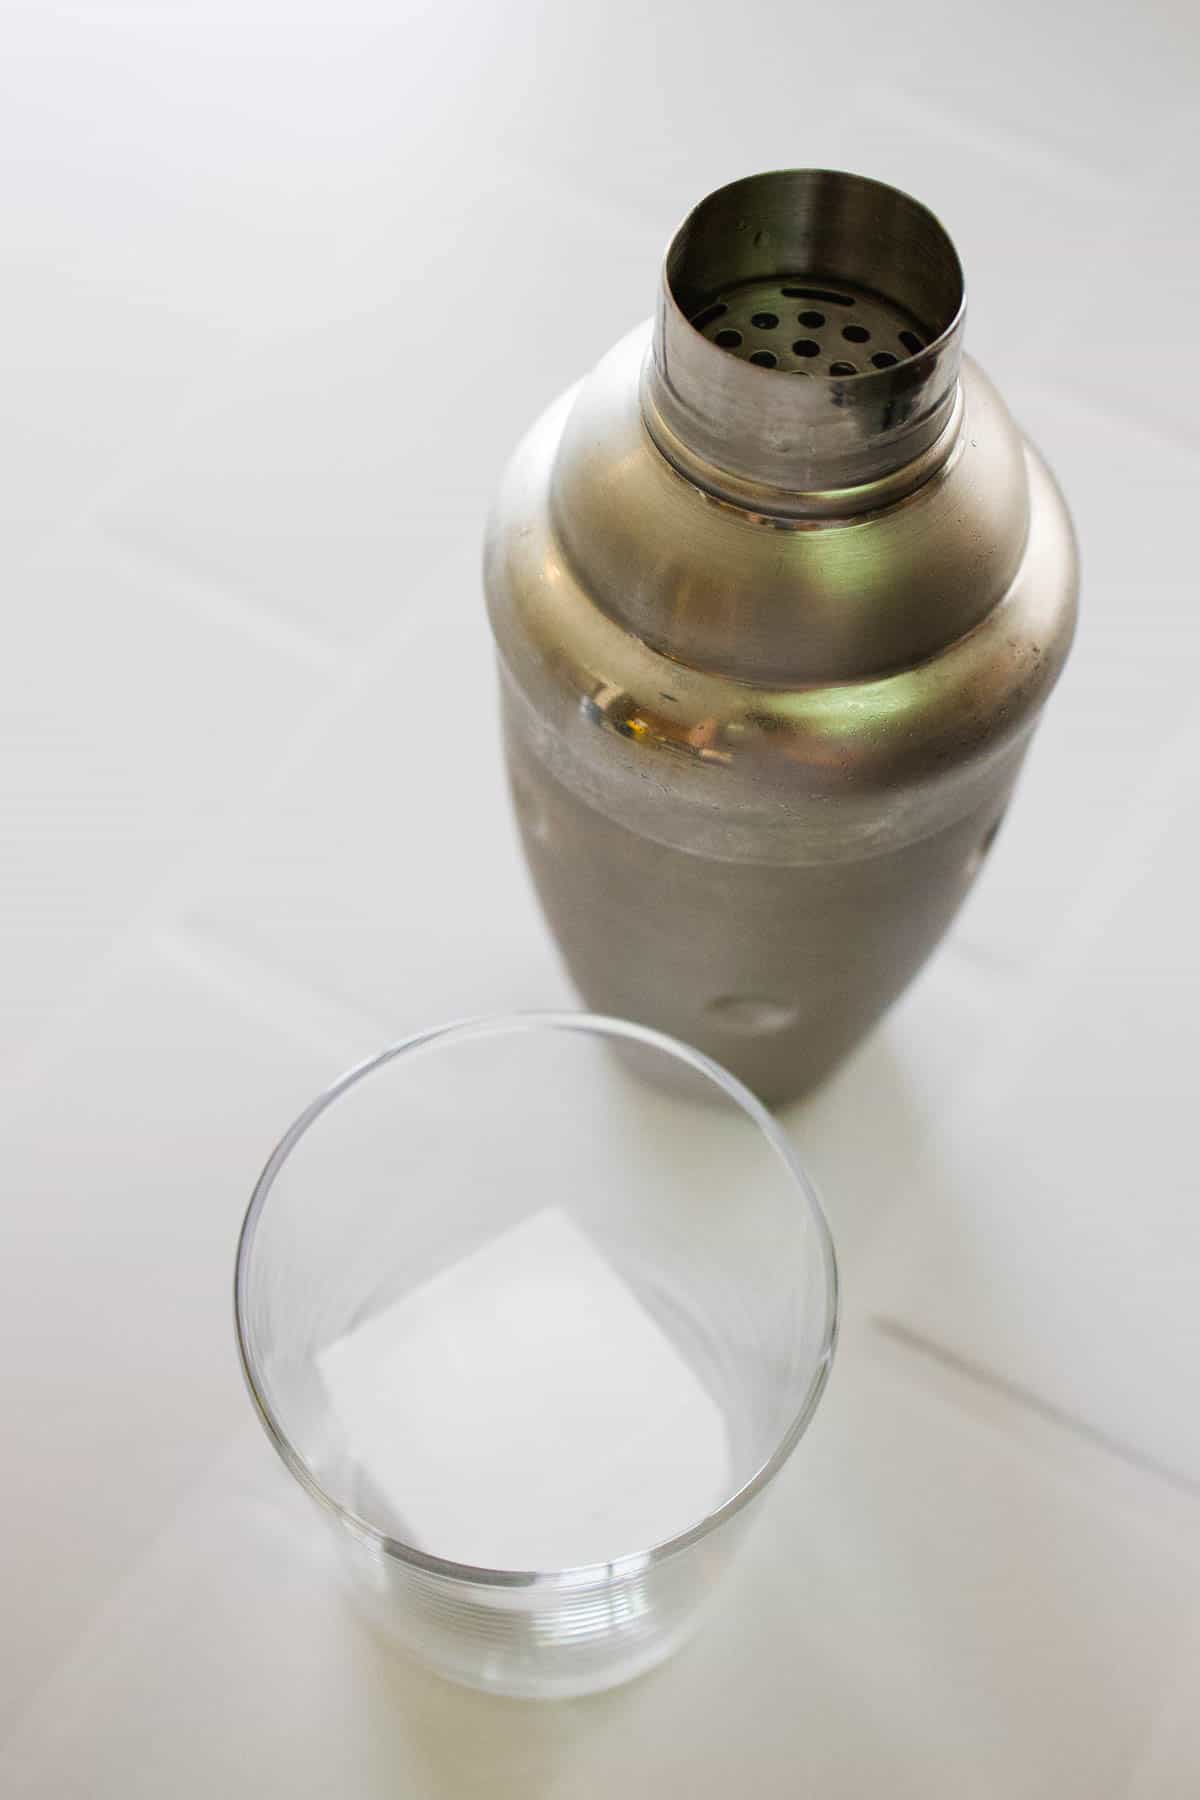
535 1308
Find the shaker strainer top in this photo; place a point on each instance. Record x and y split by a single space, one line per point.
807 327
849 288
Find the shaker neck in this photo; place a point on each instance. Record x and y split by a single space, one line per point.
807 341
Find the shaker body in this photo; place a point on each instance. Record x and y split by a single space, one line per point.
761 737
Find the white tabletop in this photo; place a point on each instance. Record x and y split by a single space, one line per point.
281 285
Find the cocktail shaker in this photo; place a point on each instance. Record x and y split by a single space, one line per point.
779 591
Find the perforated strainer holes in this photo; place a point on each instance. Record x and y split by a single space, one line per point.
751 321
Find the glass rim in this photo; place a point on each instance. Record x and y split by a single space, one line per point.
497 1024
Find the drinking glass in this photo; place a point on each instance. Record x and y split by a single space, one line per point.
535 1308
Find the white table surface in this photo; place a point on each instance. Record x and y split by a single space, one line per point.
281 285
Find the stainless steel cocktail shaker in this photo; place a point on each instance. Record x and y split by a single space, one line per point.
779 591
